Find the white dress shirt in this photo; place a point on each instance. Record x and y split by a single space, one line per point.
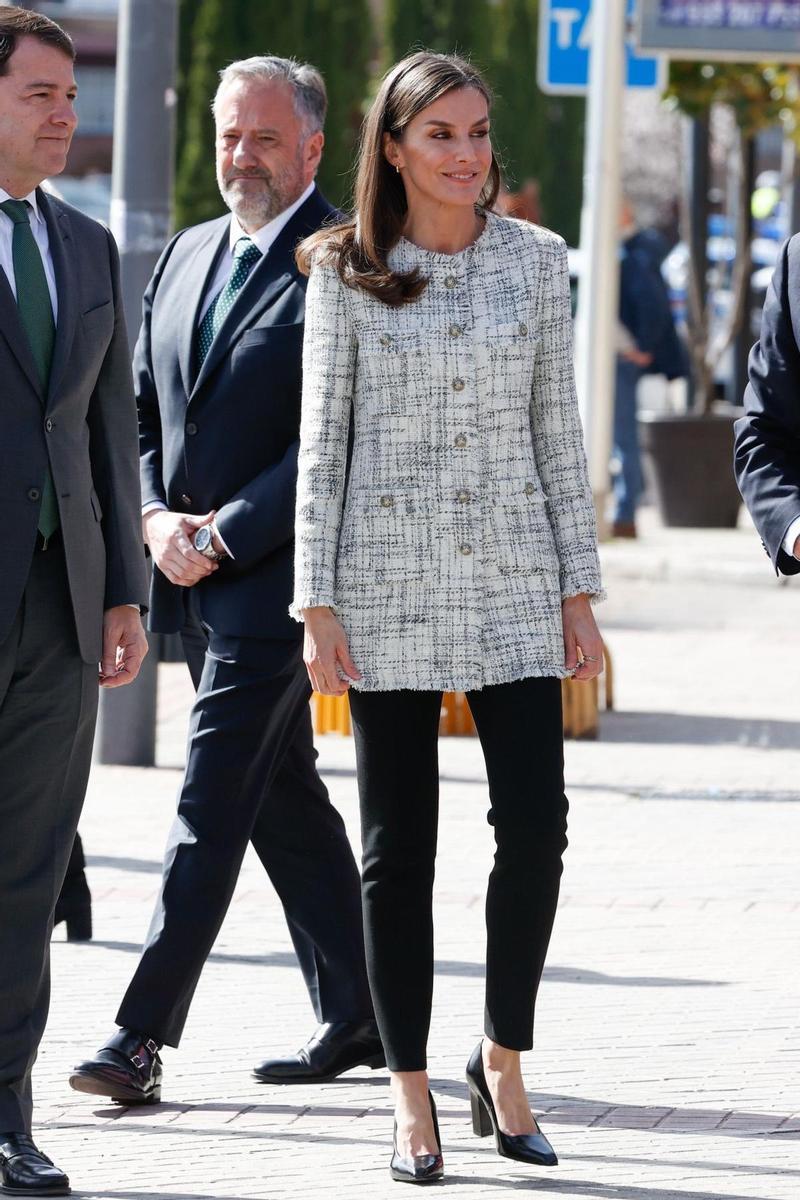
792 534
263 238
39 228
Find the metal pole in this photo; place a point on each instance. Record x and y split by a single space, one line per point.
697 146
144 125
598 289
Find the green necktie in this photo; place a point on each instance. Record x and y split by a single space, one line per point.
36 313
245 255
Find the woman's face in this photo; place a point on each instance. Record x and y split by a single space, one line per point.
444 153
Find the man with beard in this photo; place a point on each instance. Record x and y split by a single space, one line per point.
217 369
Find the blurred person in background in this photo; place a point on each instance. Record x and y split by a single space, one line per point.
459 553
767 447
217 370
73 580
647 342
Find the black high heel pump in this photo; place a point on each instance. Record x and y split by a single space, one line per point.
419 1168
522 1147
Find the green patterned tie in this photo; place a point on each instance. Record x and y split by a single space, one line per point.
36 314
245 255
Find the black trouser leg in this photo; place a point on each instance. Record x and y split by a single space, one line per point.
310 864
48 706
396 740
521 732
302 842
396 736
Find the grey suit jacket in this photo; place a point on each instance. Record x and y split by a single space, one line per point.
84 425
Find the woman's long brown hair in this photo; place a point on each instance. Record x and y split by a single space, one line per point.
359 247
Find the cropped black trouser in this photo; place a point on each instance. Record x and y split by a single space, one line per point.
396 735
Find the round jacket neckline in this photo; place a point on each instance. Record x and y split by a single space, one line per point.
440 256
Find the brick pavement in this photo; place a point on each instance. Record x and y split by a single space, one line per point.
667 1045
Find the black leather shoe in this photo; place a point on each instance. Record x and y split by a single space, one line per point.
419 1168
127 1068
332 1049
25 1171
522 1147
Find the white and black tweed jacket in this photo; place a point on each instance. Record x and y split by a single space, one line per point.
466 514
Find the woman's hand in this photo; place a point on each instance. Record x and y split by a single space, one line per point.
325 652
583 646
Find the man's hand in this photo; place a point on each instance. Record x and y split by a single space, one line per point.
583 646
796 550
124 646
169 535
640 357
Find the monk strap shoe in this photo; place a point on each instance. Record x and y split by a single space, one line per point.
127 1069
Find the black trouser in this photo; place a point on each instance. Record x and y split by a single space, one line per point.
250 775
48 706
396 735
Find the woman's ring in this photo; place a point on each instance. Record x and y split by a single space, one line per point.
589 658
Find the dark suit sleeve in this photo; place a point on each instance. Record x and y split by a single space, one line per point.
767 453
115 465
150 446
260 517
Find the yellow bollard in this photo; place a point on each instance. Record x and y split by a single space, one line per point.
581 703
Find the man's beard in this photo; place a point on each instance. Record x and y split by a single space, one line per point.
255 205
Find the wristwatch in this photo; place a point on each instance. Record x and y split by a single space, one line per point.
204 542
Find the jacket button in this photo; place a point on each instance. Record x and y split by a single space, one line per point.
455 331
529 489
463 497
187 500
460 441
34 494
523 329
191 429
385 339
387 501
466 550
458 385
450 281
48 425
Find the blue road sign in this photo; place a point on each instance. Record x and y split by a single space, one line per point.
565 39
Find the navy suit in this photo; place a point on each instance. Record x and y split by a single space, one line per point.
224 435
767 454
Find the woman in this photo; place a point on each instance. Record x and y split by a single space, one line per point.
457 551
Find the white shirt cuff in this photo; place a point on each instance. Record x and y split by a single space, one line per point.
221 541
153 506
792 534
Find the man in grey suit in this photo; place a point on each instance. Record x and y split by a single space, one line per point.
73 576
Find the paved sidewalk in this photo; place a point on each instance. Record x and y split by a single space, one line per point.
666 1063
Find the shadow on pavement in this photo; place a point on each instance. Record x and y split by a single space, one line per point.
672 728
286 958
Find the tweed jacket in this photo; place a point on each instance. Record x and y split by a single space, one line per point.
465 516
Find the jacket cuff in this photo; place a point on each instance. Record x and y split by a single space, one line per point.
315 600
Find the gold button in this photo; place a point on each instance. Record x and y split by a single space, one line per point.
458 385
387 501
460 441
529 489
385 339
456 331
466 550
450 281
463 497
523 329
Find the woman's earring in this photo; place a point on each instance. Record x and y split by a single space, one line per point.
396 167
